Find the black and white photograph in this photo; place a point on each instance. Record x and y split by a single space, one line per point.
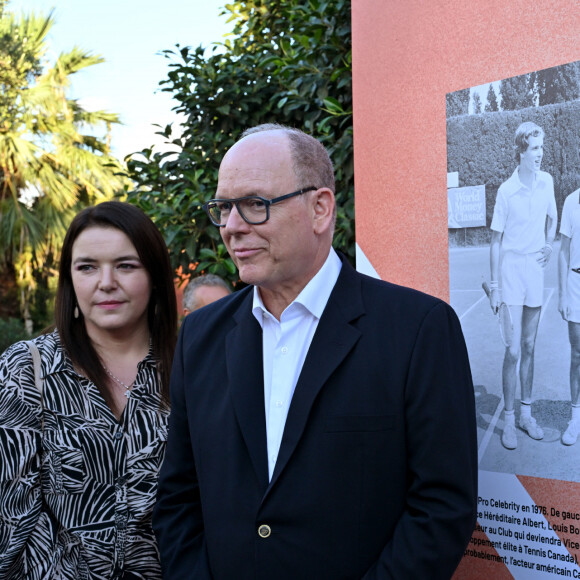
513 179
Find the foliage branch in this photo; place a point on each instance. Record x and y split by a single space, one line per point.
285 61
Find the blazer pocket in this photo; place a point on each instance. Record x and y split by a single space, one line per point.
345 423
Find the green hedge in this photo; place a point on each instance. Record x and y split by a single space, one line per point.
11 331
480 149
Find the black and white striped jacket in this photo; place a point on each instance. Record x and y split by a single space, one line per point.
76 497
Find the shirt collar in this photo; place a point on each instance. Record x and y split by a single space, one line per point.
514 184
314 295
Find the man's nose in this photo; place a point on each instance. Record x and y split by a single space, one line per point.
235 221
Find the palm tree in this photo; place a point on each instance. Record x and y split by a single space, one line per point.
52 162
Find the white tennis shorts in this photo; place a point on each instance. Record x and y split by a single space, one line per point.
573 295
522 279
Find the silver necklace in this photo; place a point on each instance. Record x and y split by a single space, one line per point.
127 388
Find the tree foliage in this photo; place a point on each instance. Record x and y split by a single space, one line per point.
559 84
491 106
286 61
550 86
11 330
51 162
477 105
457 103
517 92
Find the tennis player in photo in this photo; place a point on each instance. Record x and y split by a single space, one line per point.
523 229
569 302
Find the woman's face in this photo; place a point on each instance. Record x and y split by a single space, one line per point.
111 284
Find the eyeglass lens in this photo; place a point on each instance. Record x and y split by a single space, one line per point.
252 209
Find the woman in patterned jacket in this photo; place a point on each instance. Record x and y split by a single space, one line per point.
79 461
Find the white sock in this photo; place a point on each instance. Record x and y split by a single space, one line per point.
575 412
526 410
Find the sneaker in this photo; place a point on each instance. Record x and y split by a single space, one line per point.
571 434
509 437
529 425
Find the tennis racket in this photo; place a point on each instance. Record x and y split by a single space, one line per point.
506 326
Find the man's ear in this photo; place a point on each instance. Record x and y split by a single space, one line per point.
323 207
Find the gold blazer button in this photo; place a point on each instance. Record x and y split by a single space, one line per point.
264 531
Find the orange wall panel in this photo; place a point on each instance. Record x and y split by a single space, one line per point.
407 54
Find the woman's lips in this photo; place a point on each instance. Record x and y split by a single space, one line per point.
109 304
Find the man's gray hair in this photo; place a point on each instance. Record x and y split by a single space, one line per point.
189 301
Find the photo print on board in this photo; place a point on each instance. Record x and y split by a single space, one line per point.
513 178
481 161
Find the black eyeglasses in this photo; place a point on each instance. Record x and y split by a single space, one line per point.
254 209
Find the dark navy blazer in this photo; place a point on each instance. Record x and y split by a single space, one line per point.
377 471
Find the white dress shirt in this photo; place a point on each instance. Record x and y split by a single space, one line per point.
285 344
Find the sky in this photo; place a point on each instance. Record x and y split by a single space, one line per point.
129 34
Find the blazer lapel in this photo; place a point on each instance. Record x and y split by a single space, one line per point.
246 381
334 339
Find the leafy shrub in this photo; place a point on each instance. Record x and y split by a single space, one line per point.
286 61
11 331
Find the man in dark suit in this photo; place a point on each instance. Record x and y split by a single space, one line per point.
322 422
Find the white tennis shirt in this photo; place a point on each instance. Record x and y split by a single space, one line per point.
570 226
285 344
520 213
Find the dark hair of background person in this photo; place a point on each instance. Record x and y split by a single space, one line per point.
162 308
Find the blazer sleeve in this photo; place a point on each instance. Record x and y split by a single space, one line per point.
440 513
177 517
25 539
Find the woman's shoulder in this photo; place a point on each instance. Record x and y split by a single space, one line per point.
16 355
18 375
17 369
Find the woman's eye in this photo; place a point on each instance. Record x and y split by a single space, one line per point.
85 267
128 266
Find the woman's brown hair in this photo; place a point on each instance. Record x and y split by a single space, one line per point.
162 308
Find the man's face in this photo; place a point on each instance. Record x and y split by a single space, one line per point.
205 295
531 158
278 255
